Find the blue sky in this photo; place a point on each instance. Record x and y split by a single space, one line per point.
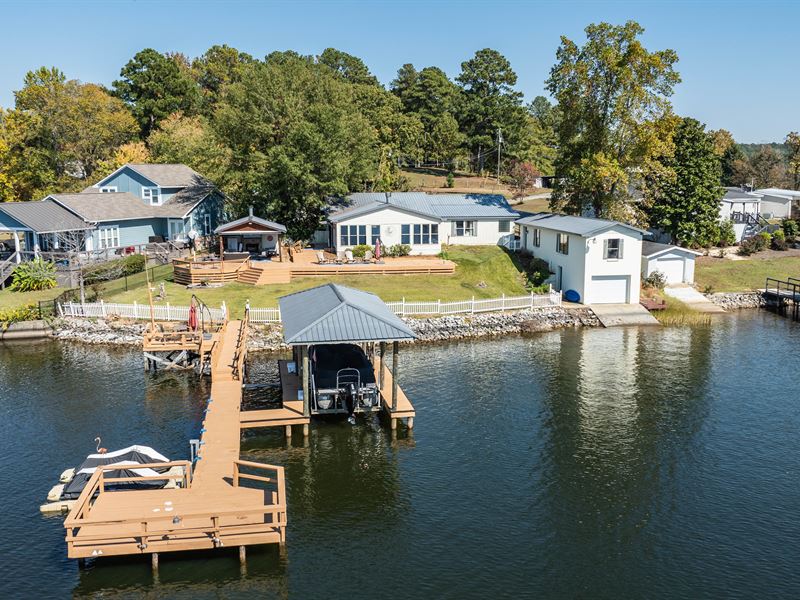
738 60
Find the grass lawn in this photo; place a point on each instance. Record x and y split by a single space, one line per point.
9 299
490 266
741 275
535 205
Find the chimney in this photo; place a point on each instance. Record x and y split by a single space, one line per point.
251 211
387 195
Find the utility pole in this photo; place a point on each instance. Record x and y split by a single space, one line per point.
499 142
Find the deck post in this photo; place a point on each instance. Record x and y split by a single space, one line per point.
306 411
154 562
242 555
395 355
410 422
305 429
382 365
288 431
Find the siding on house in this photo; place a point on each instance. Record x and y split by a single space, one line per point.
651 264
128 180
214 205
487 233
390 221
8 223
586 260
133 232
776 207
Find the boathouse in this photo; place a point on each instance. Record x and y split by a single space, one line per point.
322 325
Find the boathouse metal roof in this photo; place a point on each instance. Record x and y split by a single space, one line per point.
332 313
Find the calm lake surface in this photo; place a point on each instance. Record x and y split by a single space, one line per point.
618 463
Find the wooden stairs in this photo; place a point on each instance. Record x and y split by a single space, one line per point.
256 276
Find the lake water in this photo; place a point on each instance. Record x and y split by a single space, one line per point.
618 463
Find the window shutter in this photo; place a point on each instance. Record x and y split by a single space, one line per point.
621 240
454 228
605 248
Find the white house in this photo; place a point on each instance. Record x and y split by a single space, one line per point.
598 259
676 263
777 203
421 220
743 208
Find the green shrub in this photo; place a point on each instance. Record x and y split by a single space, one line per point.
727 235
765 239
754 244
400 250
135 263
451 180
361 250
779 240
33 276
534 271
656 280
791 229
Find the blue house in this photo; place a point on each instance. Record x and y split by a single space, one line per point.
135 205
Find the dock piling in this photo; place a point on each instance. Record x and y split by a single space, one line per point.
288 431
395 356
154 562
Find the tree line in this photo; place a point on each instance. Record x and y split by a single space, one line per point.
286 132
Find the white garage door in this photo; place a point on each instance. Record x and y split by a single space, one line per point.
609 289
671 267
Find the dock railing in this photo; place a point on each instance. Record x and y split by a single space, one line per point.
197 525
161 312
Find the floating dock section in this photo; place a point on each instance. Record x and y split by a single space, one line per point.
220 501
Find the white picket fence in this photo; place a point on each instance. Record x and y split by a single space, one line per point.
273 315
165 312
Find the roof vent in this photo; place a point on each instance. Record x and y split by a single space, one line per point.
251 211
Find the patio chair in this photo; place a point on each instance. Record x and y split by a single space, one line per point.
340 257
348 256
321 257
368 256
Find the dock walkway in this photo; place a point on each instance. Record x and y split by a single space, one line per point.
210 508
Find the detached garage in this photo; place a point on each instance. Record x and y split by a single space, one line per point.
676 263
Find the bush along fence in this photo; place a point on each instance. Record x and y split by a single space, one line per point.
161 312
273 315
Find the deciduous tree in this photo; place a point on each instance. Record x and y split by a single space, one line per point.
610 91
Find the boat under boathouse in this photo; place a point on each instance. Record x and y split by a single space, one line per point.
339 338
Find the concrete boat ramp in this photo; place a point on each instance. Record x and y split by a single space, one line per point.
693 299
616 315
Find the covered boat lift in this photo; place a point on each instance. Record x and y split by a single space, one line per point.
333 314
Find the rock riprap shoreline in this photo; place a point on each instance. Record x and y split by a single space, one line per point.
269 336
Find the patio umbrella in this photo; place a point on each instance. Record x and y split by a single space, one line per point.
378 249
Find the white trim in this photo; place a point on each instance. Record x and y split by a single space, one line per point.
110 189
151 196
123 167
671 249
103 237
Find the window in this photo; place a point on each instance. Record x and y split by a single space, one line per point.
108 190
405 234
152 195
206 224
537 237
352 235
375 233
504 226
466 228
562 243
108 236
612 249
426 234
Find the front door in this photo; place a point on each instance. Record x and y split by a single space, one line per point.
559 276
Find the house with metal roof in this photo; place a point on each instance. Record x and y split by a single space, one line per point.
675 263
594 261
423 221
777 203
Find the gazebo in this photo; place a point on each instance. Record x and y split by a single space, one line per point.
253 235
335 314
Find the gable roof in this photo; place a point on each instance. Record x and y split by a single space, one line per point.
651 249
582 226
163 175
44 216
735 194
334 313
780 192
122 206
251 219
434 206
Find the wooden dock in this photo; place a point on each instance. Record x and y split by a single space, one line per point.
209 505
784 296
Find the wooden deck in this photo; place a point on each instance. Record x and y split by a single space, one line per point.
404 409
210 509
304 264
